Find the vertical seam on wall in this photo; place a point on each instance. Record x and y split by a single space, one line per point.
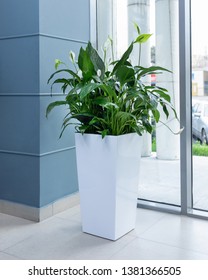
39 160
39 46
96 22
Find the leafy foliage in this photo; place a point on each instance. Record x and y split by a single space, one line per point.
110 102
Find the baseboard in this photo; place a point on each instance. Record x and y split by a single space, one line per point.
38 214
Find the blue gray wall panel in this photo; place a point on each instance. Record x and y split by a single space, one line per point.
19 18
19 125
19 65
65 18
36 167
57 176
19 181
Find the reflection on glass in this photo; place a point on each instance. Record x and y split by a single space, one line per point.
200 103
160 163
160 169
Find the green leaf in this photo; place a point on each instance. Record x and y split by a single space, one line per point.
83 128
93 121
137 28
104 132
125 74
73 101
108 90
75 89
96 60
142 71
138 129
52 105
125 116
174 112
66 121
147 124
64 127
72 73
86 89
63 81
111 104
143 38
57 63
156 115
101 100
124 58
72 56
83 117
163 95
161 88
104 102
165 110
85 65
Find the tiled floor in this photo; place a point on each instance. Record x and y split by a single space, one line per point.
157 236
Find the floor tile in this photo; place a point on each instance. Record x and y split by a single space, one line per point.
140 249
66 242
50 240
180 231
13 230
157 236
8 222
95 248
68 214
72 214
146 219
4 256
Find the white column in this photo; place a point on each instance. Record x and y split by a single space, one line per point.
112 22
105 25
139 12
167 55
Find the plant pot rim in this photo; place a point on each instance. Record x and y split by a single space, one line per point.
109 135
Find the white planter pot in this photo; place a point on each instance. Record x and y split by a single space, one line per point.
108 174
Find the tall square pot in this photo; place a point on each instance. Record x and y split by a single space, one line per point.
108 176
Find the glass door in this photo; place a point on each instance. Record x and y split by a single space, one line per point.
173 167
160 163
199 23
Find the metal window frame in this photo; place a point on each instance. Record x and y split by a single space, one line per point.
185 105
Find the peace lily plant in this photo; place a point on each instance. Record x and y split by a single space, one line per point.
110 98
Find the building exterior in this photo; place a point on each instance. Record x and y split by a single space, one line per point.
200 83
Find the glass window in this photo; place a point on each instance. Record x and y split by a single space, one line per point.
160 169
206 110
160 162
199 94
169 175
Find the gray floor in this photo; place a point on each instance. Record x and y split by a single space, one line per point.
157 236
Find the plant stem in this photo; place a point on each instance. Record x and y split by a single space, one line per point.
140 51
112 50
75 67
